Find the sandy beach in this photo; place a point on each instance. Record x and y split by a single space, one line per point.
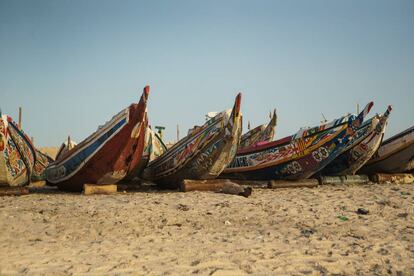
281 232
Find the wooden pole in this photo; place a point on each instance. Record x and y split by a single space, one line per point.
20 117
178 132
215 185
304 183
344 179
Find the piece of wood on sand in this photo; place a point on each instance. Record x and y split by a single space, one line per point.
400 178
303 183
344 179
215 185
96 189
14 191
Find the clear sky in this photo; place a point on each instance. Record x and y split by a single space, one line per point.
73 64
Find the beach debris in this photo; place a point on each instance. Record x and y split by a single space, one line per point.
215 185
183 207
362 211
307 232
401 178
402 215
227 222
346 179
343 218
94 189
304 183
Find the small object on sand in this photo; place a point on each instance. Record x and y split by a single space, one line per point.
215 185
362 211
400 178
227 222
303 183
343 218
13 191
402 215
94 189
346 179
235 189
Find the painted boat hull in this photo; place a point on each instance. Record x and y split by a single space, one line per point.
17 154
153 148
298 156
284 165
366 143
108 155
262 133
396 155
203 154
39 169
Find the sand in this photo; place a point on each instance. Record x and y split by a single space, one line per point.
298 231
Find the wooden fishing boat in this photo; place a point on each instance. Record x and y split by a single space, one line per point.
203 154
154 147
106 156
39 169
395 155
17 154
365 144
64 148
262 133
298 156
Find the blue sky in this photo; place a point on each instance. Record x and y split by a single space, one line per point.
73 64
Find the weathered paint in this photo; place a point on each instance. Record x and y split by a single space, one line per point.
203 154
106 156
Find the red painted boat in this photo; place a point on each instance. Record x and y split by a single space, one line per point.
108 155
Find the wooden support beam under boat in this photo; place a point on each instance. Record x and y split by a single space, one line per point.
401 178
94 189
303 183
345 179
14 191
276 184
215 185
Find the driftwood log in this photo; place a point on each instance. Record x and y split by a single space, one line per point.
14 191
304 183
402 178
276 184
215 185
95 189
346 179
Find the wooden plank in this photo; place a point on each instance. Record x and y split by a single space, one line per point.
215 185
253 183
401 178
304 183
95 189
13 191
345 179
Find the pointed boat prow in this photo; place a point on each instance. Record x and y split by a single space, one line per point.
388 111
145 94
365 111
236 108
273 121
